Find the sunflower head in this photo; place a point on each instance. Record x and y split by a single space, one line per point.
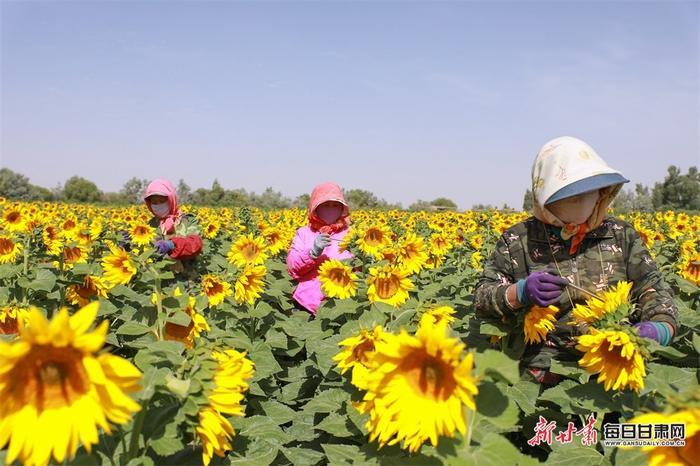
118 267
417 386
250 284
215 289
52 381
337 279
538 322
438 315
10 249
248 250
389 285
613 306
615 355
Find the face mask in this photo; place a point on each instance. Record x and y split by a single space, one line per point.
576 209
161 210
329 213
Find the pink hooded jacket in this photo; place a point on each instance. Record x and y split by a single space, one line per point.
304 268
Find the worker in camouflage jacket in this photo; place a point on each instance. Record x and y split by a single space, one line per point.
570 238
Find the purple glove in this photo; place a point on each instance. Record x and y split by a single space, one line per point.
540 288
164 246
654 330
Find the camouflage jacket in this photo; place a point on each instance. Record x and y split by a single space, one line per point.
611 253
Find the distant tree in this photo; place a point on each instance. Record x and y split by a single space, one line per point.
528 201
421 205
133 190
78 189
484 207
301 201
443 203
678 191
216 193
642 199
236 198
183 192
15 186
270 199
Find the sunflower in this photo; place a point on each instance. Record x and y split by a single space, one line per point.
52 240
247 250
615 300
337 279
274 240
674 456
70 228
417 387
92 287
142 234
216 289
614 356
230 383
388 285
250 284
10 317
71 255
118 267
187 333
215 433
14 220
211 229
476 241
373 239
9 249
411 254
690 269
438 315
440 243
539 321
57 391
477 261
357 352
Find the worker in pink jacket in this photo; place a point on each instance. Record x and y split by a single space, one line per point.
318 241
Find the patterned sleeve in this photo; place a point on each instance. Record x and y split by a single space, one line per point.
490 294
653 296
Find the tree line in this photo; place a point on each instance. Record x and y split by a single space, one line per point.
677 191
16 186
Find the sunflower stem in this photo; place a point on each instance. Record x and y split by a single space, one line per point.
471 415
136 432
159 306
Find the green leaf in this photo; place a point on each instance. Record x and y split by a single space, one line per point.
491 328
336 425
264 360
263 427
497 365
180 318
668 380
9 270
305 456
341 454
177 386
562 455
166 446
497 408
696 342
45 280
132 328
494 450
278 412
327 401
525 395
261 310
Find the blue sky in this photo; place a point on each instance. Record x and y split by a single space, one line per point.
406 99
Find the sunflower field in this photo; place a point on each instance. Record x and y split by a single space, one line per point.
114 356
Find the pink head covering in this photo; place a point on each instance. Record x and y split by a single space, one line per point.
323 193
164 188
